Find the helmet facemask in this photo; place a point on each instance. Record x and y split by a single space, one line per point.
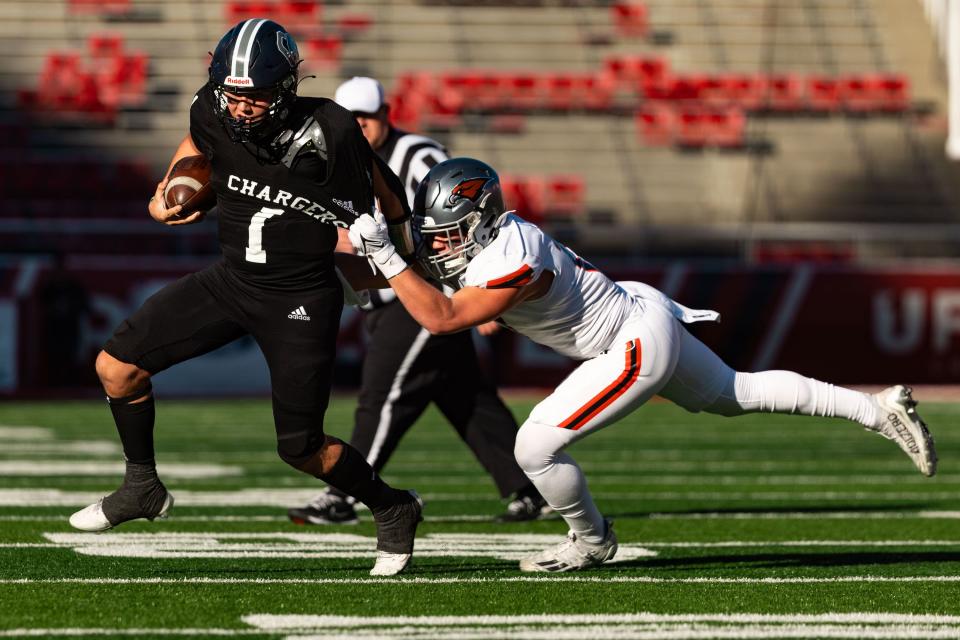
447 248
263 127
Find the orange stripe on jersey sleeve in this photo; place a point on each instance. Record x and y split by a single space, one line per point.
519 278
631 370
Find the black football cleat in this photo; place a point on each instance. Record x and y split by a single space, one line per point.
326 508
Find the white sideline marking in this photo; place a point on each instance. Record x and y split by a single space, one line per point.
80 631
86 447
306 545
10 432
506 579
638 625
211 518
73 468
347 545
291 497
563 626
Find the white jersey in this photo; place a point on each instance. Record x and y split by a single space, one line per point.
583 310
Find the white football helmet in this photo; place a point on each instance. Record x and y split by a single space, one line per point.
457 210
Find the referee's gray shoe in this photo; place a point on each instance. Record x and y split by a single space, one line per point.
900 422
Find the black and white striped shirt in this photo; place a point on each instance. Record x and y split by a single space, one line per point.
410 156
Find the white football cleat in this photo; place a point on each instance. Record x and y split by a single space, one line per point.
396 529
92 518
573 554
901 423
390 564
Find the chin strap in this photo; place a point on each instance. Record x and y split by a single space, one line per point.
401 235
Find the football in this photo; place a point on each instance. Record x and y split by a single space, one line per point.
189 184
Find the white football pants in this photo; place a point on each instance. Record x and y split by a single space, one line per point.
654 354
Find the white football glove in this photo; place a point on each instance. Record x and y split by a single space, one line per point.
370 237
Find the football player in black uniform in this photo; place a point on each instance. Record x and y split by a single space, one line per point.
287 171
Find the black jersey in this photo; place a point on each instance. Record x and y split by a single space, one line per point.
278 216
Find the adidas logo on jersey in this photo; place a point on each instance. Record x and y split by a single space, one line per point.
346 204
299 314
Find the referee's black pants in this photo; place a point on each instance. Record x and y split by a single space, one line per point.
405 369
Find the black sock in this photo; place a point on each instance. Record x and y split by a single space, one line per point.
141 495
352 476
135 426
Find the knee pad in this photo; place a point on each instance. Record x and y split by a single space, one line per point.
299 433
537 446
297 448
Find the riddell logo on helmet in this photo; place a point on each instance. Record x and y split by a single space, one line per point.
238 81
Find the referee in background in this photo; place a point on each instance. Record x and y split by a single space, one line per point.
406 368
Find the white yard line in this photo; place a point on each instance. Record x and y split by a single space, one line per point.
562 626
11 432
505 579
448 543
61 447
48 468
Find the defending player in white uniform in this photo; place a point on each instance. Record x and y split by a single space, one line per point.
629 336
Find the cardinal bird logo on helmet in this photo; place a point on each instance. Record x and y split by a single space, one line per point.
469 189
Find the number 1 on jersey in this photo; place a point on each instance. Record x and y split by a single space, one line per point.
255 252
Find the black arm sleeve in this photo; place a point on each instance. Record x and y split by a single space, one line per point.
393 183
203 120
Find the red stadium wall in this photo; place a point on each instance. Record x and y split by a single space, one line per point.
852 325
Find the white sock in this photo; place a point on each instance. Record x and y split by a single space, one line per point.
564 487
559 479
789 392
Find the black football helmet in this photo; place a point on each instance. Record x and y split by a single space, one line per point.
460 204
256 56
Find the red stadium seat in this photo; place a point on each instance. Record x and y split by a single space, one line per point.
726 128
299 15
239 10
324 51
743 90
481 90
693 127
635 73
525 195
784 93
630 19
561 91
525 91
656 125
856 94
893 92
564 195
106 45
823 94
681 89
353 24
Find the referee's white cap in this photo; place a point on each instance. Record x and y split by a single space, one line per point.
360 94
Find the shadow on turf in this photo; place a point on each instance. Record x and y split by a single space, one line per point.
794 559
857 508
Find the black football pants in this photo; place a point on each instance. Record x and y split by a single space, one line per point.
296 330
405 369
